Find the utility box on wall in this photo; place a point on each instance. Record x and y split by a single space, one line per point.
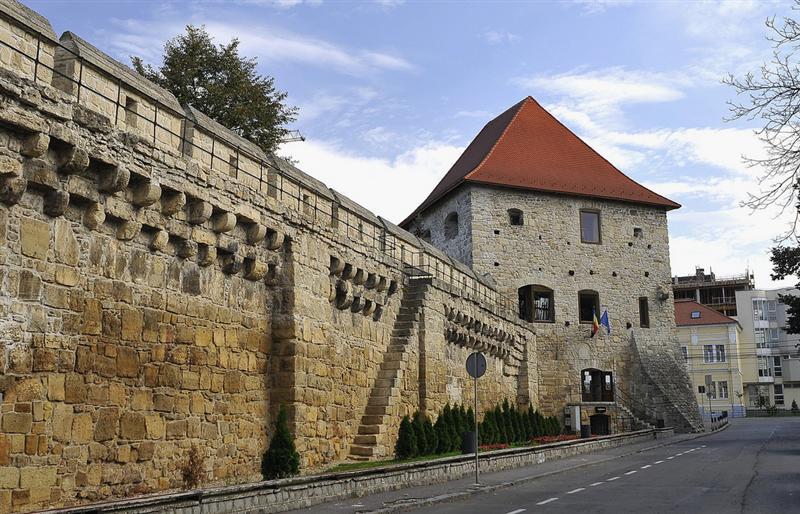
572 418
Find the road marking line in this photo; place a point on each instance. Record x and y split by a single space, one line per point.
547 501
595 484
612 479
631 472
647 466
577 490
658 462
670 458
516 511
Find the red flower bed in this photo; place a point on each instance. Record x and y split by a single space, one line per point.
545 439
494 446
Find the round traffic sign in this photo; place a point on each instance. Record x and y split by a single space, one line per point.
476 365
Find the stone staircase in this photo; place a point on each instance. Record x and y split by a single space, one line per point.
636 422
381 406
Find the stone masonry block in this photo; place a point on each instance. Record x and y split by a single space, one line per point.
187 249
132 426
105 429
35 237
10 166
207 254
17 422
9 477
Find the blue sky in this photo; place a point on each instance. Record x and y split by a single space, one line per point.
390 92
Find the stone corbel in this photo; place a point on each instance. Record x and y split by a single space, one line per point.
198 212
186 249
223 222
159 241
55 203
113 179
275 239
74 160
256 233
128 229
172 202
344 295
11 189
206 254
231 264
336 266
35 145
145 194
254 269
94 215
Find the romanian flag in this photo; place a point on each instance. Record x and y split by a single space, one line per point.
595 323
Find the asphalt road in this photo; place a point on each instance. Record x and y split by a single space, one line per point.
753 467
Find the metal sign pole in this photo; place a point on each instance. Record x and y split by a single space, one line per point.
477 439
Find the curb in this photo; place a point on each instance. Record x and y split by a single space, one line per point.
474 490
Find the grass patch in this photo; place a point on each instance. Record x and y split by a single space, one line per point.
353 466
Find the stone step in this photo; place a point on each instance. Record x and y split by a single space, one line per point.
382 392
390 373
401 332
371 429
366 439
395 356
364 451
400 341
386 383
357 458
404 324
379 401
387 365
369 420
375 410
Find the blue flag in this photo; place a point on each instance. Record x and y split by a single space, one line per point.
604 322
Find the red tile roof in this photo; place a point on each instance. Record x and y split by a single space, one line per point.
708 316
526 147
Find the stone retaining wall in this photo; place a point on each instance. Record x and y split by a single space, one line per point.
283 495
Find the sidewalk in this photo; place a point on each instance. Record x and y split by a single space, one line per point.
396 500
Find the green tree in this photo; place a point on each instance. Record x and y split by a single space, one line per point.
222 84
281 459
406 446
442 433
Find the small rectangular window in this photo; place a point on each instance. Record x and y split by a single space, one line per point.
685 353
638 233
695 314
722 388
588 306
719 353
644 312
590 227
131 112
708 353
515 217
233 166
778 394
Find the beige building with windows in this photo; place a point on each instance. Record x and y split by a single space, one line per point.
710 344
770 357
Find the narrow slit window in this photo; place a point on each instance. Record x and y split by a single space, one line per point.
131 112
644 312
233 166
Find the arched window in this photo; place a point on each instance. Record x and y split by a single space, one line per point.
588 305
451 226
515 217
425 235
536 304
597 385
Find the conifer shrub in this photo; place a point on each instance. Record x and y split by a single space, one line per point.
442 433
470 419
281 459
418 423
432 442
406 446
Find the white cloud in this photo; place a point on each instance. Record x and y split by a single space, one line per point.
600 94
391 188
324 102
268 44
599 6
473 114
494 37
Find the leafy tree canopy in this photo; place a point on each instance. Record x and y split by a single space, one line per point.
224 85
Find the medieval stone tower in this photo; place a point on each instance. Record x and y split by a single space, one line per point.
537 212
165 284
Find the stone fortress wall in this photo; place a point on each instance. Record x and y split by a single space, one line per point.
164 284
